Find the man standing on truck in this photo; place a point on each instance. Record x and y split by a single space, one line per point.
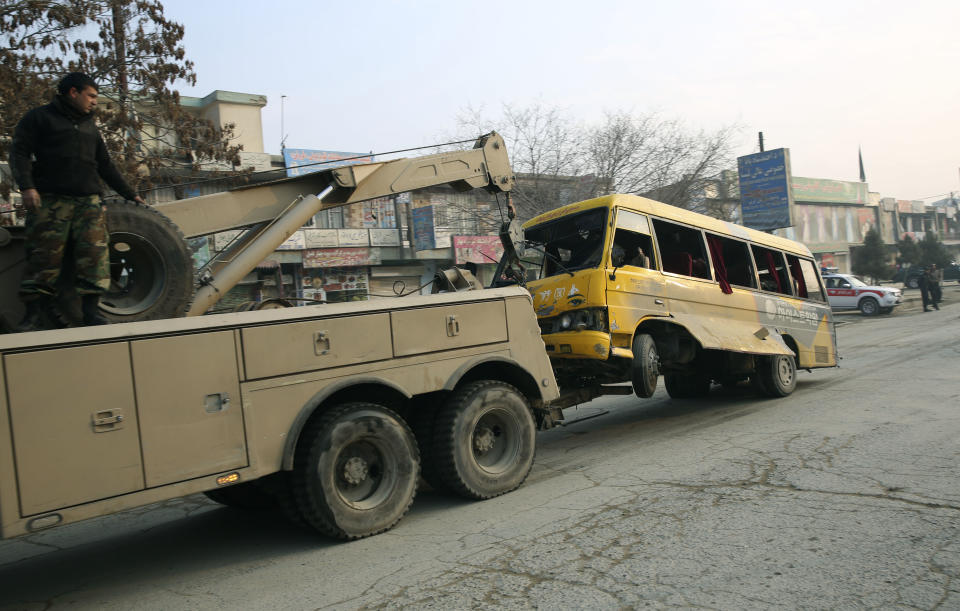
58 158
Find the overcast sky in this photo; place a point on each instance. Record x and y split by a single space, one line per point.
820 78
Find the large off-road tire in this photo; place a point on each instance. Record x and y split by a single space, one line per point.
869 306
151 268
776 376
646 365
485 438
355 471
913 283
686 385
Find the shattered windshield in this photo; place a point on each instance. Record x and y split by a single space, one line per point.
567 244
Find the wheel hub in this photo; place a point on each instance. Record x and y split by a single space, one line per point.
784 370
355 471
484 439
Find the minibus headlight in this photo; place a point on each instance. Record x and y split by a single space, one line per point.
587 319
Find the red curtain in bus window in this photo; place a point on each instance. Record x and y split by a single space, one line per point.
798 276
772 268
716 252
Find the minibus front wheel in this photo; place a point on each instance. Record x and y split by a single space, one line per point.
646 365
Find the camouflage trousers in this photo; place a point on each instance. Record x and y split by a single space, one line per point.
71 229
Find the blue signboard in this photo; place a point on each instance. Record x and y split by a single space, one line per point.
304 161
423 238
766 193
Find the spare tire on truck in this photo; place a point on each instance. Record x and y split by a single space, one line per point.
151 267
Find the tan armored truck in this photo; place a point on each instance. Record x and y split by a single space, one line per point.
328 414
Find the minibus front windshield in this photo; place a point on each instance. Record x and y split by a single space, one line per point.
568 244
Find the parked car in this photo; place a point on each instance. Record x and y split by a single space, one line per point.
846 292
910 276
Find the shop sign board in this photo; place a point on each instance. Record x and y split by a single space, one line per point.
384 237
321 238
296 241
353 237
423 236
341 257
479 249
256 162
766 194
304 161
830 191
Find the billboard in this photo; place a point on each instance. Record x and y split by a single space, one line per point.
830 191
479 249
304 161
766 193
340 257
423 238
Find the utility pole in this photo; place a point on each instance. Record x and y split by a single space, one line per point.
760 134
283 136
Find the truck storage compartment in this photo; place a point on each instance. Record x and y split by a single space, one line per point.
273 350
447 327
74 424
188 396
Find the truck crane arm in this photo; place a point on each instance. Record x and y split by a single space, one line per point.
272 211
484 166
151 263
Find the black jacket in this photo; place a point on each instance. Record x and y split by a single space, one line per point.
57 149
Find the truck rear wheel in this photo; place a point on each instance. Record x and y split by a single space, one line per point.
484 440
151 268
355 471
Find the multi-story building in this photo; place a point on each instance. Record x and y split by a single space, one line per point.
832 217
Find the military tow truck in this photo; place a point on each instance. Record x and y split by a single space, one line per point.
327 414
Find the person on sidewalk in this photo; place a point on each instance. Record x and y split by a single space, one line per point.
936 290
58 159
927 281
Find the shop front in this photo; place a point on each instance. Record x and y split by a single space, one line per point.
333 275
482 251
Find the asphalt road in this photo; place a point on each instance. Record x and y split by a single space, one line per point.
844 495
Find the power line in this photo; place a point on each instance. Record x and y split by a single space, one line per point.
307 165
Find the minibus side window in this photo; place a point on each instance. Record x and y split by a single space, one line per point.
682 250
732 262
772 270
632 245
805 277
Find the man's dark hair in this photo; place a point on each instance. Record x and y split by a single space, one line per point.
76 80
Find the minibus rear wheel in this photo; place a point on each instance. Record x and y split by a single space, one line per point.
776 375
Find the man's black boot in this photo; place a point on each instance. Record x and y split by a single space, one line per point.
91 311
38 314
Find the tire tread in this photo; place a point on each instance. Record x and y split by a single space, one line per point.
445 445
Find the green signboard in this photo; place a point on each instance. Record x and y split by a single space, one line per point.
829 191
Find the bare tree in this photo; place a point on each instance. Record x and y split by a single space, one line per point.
659 158
546 152
33 41
135 54
559 161
137 58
